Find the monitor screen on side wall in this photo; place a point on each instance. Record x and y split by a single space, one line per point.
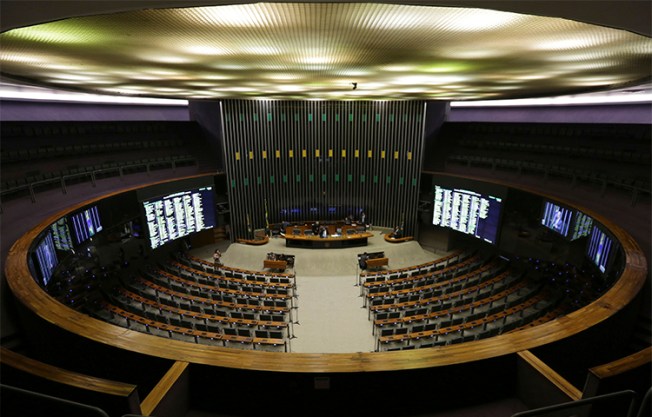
45 257
179 214
582 224
61 235
86 224
556 218
468 212
600 249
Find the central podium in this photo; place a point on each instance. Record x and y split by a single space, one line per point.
337 236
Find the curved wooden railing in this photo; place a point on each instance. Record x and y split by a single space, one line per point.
388 238
259 242
127 393
623 291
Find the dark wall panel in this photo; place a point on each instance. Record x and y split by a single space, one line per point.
616 113
322 160
15 110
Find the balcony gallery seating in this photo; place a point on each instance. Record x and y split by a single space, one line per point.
64 153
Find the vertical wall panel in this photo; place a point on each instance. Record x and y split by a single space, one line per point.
324 186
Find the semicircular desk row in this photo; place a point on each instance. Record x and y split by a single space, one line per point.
29 293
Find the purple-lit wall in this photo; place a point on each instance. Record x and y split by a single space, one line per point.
617 113
15 110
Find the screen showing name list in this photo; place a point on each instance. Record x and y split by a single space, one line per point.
468 212
179 214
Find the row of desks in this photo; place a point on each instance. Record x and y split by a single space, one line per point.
213 288
425 302
451 268
203 300
195 333
207 317
439 284
241 281
468 325
211 265
414 268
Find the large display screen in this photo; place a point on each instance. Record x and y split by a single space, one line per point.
599 249
581 225
177 215
468 212
569 223
45 256
557 218
61 235
86 224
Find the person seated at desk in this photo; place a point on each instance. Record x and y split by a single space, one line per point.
323 232
397 233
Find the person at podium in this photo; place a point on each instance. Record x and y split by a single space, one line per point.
315 228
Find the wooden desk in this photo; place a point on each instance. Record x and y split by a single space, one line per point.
275 264
301 237
377 262
388 238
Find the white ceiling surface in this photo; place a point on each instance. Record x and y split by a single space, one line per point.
633 16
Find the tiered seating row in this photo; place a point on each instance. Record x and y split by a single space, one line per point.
465 330
204 316
447 280
196 286
242 338
427 307
240 275
400 273
206 277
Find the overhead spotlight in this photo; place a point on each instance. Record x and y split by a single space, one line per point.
355 85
